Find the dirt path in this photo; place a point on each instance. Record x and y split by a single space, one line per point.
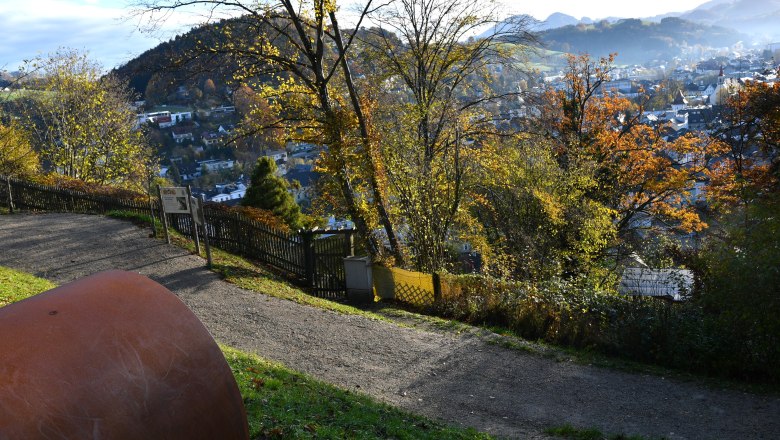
458 378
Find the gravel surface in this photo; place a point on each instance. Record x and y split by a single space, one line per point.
458 378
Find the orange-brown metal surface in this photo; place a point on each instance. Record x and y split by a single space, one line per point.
113 356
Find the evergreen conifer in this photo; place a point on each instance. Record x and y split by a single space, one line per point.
269 191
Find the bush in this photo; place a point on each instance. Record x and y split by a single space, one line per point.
72 184
264 216
685 336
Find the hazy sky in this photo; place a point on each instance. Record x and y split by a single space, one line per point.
104 29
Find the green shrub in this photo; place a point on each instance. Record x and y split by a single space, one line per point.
685 336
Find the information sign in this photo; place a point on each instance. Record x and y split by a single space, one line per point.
175 200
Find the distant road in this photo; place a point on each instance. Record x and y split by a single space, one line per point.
458 378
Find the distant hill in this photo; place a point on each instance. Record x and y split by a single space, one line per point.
556 20
758 18
637 41
168 66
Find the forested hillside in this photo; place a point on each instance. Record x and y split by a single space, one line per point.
637 41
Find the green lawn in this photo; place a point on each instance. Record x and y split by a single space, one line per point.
16 286
282 403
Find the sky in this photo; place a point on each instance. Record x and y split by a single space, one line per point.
107 32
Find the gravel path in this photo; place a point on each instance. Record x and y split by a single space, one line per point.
458 378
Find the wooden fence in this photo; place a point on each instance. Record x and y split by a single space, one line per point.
313 258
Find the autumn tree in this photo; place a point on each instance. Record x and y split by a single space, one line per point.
537 216
296 55
740 257
749 170
209 88
156 90
663 96
584 179
83 124
261 128
431 88
18 158
270 192
640 170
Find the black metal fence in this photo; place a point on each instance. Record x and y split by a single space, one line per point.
313 258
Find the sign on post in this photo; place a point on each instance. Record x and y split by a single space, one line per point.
197 210
200 219
175 200
179 200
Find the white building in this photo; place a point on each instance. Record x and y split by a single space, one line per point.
229 192
216 165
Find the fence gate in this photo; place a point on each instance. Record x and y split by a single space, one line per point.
325 252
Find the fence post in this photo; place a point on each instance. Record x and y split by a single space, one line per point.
309 256
10 196
164 216
436 287
151 211
194 223
350 243
202 213
236 223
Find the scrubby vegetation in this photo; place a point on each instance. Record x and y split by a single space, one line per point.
730 331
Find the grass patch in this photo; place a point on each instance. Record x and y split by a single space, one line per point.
570 432
281 403
16 286
398 314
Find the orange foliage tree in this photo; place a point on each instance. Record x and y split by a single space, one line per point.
640 171
749 170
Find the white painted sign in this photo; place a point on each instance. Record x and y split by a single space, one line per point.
175 200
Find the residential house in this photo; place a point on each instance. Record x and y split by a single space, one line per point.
214 165
180 134
151 118
227 193
182 116
164 121
188 171
276 155
223 109
699 117
211 138
621 85
680 102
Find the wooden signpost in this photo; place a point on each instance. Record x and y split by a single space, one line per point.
179 200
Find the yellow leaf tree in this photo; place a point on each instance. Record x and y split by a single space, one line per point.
17 156
83 123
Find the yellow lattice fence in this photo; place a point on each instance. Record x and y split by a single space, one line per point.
414 288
